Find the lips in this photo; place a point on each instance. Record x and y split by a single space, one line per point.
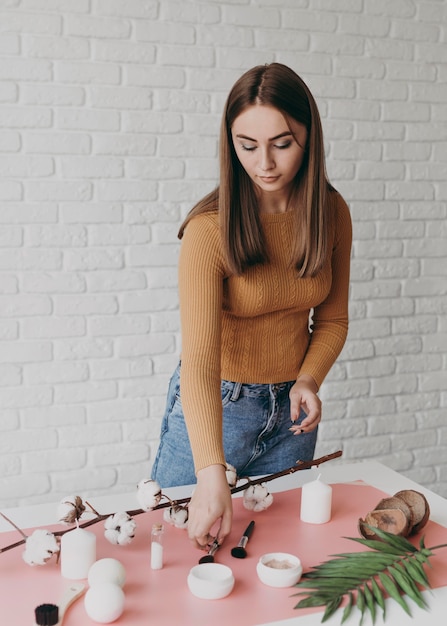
269 179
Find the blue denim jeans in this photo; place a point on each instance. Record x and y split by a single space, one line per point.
256 436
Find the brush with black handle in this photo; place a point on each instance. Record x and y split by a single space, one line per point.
239 551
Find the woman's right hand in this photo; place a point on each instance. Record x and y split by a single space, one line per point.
210 504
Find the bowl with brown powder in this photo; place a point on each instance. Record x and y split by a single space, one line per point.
279 569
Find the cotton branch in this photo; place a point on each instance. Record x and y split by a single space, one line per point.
300 465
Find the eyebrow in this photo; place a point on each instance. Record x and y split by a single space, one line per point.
284 134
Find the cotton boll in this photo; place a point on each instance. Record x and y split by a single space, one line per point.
119 528
107 571
177 515
104 602
70 509
263 504
257 498
39 547
231 475
148 494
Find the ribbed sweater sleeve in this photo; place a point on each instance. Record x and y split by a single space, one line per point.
330 318
201 277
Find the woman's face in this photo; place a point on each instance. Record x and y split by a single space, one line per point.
269 149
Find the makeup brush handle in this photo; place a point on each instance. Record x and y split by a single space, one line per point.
242 541
209 557
214 548
246 536
74 591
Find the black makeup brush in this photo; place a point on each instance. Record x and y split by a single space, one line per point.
209 558
239 551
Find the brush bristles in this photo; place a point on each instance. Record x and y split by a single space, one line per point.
46 615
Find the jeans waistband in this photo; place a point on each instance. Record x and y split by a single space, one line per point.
255 390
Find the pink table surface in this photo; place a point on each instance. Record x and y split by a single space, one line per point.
163 598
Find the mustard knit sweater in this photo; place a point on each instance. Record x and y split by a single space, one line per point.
254 328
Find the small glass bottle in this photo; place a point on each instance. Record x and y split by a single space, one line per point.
157 546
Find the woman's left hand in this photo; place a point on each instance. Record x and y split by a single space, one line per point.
303 395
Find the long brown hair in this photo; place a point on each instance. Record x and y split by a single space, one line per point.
278 86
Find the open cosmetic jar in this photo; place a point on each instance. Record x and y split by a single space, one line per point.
279 569
210 581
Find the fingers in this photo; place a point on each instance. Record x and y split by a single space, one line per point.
302 398
294 408
309 423
300 429
208 540
225 525
210 508
199 532
203 538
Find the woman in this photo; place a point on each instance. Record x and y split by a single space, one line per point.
263 284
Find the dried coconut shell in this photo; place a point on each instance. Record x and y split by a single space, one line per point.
396 503
418 504
405 513
366 532
394 521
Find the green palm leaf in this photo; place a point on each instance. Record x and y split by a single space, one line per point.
331 607
361 603
369 598
417 572
391 567
406 584
348 608
390 586
378 596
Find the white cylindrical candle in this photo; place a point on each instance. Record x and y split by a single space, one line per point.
78 553
316 502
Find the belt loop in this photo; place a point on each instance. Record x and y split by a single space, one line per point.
236 391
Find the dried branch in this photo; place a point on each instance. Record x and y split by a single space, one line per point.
300 465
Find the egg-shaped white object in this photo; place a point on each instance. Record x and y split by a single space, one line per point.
107 571
104 602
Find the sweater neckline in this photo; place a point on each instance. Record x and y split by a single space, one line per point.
276 217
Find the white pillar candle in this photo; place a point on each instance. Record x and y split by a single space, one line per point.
78 553
316 502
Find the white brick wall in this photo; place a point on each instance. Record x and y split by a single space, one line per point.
109 115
